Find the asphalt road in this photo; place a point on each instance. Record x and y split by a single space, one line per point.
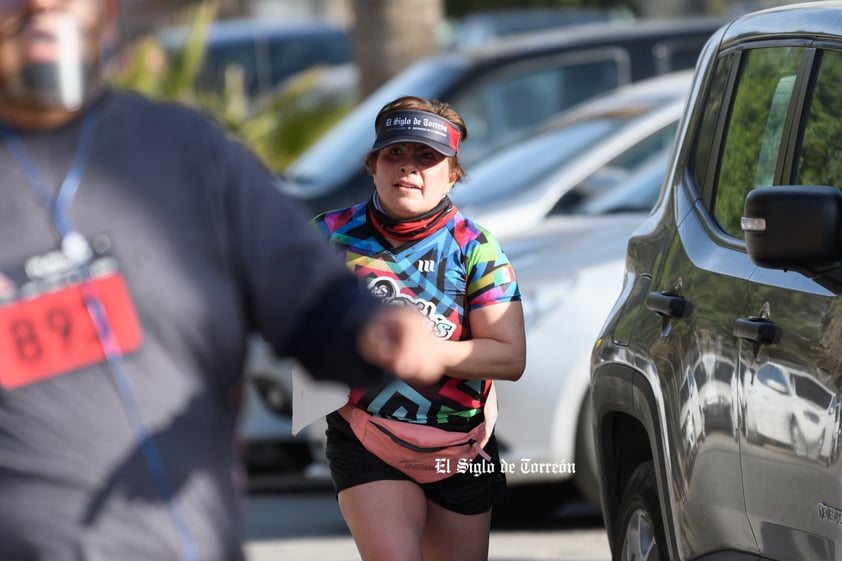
303 523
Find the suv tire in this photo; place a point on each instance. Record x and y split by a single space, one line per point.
640 531
586 479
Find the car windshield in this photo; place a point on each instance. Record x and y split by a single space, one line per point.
638 193
220 57
516 169
327 162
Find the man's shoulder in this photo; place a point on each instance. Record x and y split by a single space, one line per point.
134 105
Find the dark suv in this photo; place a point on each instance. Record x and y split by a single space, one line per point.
716 378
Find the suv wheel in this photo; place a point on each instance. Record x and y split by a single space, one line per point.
640 533
586 480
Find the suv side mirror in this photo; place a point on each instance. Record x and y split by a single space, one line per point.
796 227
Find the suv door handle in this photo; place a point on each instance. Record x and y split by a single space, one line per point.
758 330
667 305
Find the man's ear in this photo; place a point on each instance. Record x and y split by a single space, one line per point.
112 10
110 29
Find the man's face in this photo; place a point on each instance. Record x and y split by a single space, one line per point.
50 49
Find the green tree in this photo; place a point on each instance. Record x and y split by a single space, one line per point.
391 34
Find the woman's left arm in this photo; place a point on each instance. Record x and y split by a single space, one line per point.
496 349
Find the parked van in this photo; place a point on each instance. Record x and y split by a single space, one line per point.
267 52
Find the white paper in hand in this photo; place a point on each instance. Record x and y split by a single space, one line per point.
313 399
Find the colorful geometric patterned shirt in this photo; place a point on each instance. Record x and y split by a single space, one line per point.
457 268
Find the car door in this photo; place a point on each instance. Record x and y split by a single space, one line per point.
787 330
698 282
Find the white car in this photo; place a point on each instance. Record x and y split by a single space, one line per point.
801 413
576 157
570 271
265 422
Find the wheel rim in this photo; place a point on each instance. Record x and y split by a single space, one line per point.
639 542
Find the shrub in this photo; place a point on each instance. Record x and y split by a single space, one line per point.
277 128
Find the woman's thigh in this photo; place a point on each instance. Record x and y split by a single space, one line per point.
386 519
452 536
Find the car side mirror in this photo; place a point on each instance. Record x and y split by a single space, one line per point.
798 228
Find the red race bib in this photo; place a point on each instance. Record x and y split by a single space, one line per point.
53 333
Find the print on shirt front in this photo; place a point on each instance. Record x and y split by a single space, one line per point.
46 328
456 269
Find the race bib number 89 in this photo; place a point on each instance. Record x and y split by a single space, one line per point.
54 333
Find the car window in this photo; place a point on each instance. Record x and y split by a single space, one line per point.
811 391
676 55
617 172
480 27
752 140
819 162
637 193
700 157
515 170
771 142
512 101
653 144
267 59
288 57
221 56
771 376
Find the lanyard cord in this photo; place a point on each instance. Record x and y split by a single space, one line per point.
58 208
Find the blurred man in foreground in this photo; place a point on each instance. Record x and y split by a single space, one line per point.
140 246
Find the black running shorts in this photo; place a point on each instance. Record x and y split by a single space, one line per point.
474 489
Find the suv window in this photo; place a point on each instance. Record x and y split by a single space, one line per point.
818 160
700 159
749 155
